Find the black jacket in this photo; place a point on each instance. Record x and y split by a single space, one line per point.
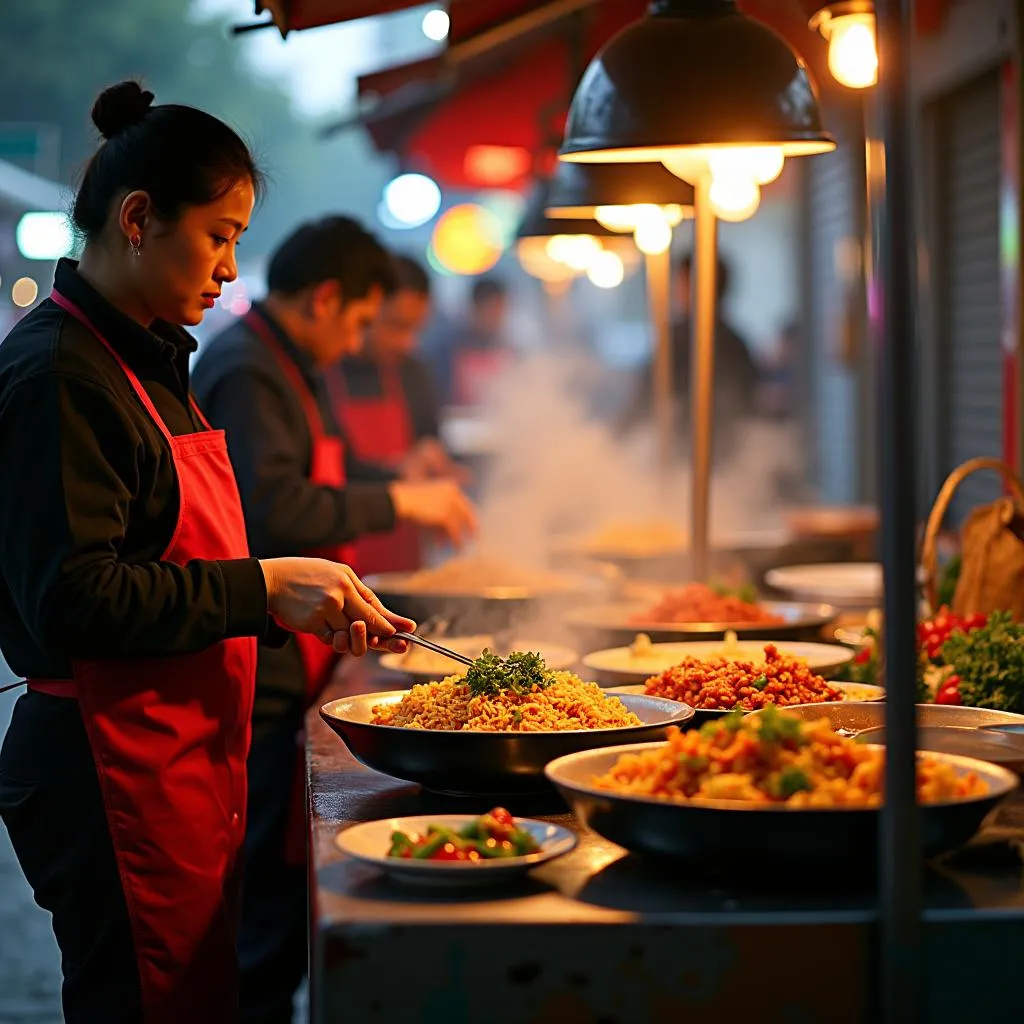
89 498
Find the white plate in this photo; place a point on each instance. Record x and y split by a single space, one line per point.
425 666
616 664
369 843
846 584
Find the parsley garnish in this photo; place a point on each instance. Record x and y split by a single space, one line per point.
520 672
775 726
792 780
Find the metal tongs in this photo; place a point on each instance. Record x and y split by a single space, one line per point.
445 652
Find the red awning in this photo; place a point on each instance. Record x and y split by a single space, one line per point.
292 15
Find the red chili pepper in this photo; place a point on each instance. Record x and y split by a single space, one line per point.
863 656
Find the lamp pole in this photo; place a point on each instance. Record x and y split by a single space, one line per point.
702 361
659 285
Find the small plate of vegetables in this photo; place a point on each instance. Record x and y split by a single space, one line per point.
456 849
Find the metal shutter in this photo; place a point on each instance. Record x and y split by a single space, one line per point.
831 210
968 167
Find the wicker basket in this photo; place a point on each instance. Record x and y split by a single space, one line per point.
929 556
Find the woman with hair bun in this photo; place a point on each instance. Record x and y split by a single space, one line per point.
128 600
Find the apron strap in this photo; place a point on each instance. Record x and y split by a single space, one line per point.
259 326
70 307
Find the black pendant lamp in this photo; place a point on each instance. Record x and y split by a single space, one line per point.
693 73
537 224
578 190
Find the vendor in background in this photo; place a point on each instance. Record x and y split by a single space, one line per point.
262 381
128 596
736 375
472 354
385 401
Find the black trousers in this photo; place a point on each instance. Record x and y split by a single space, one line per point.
272 943
51 805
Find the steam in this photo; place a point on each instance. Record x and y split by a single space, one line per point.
558 471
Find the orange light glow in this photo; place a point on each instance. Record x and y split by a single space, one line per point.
467 239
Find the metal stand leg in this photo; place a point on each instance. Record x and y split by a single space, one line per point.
892 321
659 281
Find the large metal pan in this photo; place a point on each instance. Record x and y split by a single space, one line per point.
856 717
463 762
483 609
747 837
608 625
757 550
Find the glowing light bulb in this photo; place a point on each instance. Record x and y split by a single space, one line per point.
689 164
734 199
582 251
615 218
606 270
558 247
435 24
674 214
760 164
653 234
852 51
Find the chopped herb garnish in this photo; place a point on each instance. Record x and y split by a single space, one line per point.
792 780
733 721
775 726
520 672
760 683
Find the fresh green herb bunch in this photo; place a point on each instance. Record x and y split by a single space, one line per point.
990 663
520 672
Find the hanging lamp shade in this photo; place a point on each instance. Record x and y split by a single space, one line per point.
537 224
578 190
692 74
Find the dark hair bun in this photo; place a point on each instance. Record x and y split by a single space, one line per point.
119 107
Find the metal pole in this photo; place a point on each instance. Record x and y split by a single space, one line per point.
892 323
659 283
702 362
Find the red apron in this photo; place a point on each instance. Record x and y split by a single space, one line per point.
170 737
379 430
474 372
327 468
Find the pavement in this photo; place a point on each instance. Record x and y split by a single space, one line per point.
29 958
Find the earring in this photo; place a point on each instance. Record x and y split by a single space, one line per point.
135 242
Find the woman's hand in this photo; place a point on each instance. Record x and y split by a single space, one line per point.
327 599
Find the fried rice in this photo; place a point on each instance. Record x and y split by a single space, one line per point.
567 703
777 759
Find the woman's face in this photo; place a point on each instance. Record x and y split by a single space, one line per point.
182 265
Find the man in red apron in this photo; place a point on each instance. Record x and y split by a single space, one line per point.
303 492
385 400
